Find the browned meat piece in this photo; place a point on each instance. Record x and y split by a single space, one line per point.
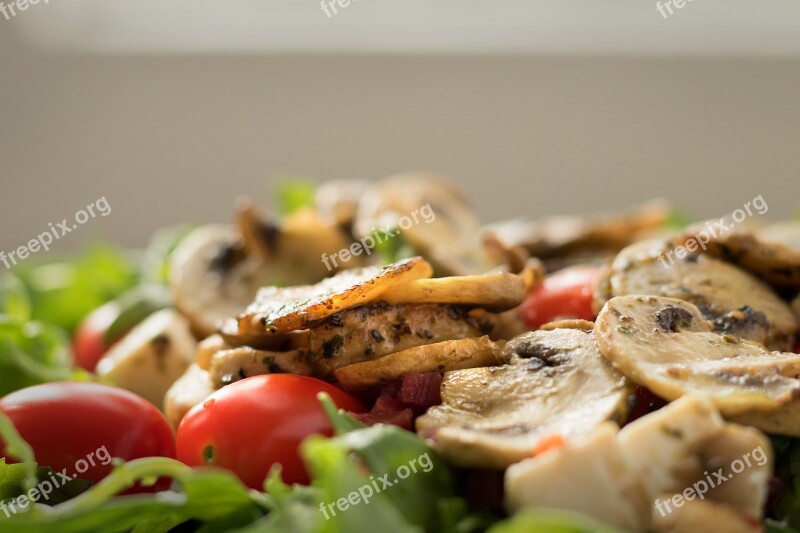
372 331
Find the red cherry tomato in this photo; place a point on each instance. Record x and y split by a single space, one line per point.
80 427
89 345
257 422
564 294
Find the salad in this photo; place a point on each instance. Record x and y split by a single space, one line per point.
373 356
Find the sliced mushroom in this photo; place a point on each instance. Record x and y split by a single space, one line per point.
279 310
742 305
772 252
239 363
497 292
193 387
665 345
375 330
438 357
151 357
493 417
212 277
555 236
631 478
299 242
433 217
337 200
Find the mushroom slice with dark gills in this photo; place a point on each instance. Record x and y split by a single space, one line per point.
561 236
771 252
280 310
433 216
556 383
739 303
372 331
664 344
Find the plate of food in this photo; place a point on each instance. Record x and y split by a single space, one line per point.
372 355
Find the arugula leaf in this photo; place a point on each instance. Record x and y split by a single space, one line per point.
677 219
156 260
295 194
16 446
391 246
14 299
64 293
32 353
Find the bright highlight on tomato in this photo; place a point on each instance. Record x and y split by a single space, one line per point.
253 424
564 294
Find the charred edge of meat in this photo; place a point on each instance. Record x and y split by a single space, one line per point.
673 319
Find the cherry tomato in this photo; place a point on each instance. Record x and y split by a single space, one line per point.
81 426
564 294
89 345
257 422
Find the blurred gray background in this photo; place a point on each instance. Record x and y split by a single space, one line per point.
171 111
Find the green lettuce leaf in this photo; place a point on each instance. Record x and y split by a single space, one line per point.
63 293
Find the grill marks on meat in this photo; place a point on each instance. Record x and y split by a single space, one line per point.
378 329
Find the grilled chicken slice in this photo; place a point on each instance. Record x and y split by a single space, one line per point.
628 478
372 331
557 383
264 340
279 310
497 292
239 363
664 344
438 357
771 252
740 304
590 476
151 357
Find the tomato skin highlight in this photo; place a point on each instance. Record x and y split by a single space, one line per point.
563 294
252 424
68 422
89 345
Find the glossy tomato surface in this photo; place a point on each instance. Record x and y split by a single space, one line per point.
563 294
250 425
81 426
89 345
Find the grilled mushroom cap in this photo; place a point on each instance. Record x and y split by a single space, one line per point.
772 252
443 226
212 278
740 304
555 236
665 345
557 383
